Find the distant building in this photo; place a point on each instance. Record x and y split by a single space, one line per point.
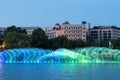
99 33
29 30
71 31
50 32
2 29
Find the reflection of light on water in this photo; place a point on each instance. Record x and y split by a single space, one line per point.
1 71
0 66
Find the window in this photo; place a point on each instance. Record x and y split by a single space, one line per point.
109 36
64 31
109 33
66 35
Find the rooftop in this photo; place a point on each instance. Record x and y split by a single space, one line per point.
105 27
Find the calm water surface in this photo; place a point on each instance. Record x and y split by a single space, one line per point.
59 71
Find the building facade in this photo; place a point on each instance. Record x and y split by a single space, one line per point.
2 29
99 33
71 31
50 32
29 30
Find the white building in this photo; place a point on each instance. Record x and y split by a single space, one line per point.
99 33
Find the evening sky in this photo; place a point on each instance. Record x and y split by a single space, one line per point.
48 12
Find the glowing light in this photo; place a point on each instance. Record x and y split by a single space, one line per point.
82 55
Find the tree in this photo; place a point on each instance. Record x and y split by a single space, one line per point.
39 38
105 43
24 44
66 22
84 22
63 42
60 42
14 29
17 40
57 24
76 43
15 37
116 43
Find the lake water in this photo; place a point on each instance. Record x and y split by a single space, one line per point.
59 71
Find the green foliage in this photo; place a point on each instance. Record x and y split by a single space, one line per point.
66 22
76 43
57 24
105 43
16 37
84 22
16 40
116 43
39 38
14 29
24 44
60 42
63 42
92 42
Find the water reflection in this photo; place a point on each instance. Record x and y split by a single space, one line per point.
59 71
1 72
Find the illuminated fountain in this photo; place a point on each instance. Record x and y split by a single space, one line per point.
82 55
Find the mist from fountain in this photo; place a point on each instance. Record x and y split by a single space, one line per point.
79 55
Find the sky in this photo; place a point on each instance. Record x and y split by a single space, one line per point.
45 13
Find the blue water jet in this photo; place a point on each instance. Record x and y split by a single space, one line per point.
79 55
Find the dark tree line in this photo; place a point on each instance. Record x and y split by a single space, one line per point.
63 42
16 37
